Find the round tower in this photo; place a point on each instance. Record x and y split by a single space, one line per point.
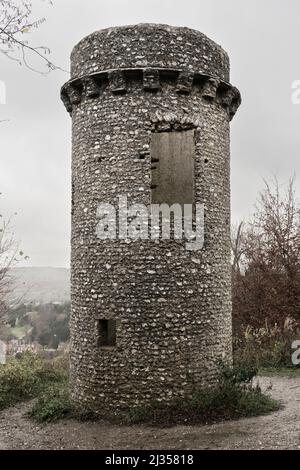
151 319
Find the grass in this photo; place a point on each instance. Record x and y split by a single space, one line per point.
234 396
268 347
215 405
53 404
27 377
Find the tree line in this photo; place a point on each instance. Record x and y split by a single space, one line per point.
266 260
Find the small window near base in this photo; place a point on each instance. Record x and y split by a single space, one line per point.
107 333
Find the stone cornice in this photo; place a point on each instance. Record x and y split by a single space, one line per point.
152 79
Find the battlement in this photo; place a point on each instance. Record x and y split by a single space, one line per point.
149 46
151 80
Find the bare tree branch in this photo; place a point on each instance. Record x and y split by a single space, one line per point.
15 22
10 256
268 286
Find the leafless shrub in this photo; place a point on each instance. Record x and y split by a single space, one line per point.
10 255
266 260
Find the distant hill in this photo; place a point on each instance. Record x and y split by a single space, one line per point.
41 285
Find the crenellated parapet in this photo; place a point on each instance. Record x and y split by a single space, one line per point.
151 80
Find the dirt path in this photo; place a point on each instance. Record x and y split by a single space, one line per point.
280 430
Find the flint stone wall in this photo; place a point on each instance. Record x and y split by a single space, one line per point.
172 306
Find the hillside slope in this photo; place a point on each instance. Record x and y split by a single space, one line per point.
41 285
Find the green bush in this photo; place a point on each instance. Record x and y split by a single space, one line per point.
53 404
32 376
266 347
27 377
233 397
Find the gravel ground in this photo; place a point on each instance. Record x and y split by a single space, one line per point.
279 430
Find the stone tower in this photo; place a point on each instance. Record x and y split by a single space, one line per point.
150 106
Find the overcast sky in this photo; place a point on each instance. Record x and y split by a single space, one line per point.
262 38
